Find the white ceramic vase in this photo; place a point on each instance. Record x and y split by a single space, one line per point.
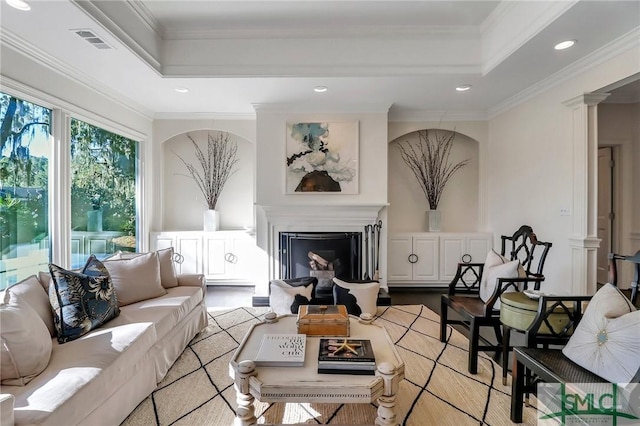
211 219
432 221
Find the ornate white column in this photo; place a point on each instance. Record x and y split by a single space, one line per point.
584 240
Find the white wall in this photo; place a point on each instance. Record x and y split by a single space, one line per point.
529 165
178 204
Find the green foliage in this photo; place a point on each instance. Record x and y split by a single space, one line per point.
103 170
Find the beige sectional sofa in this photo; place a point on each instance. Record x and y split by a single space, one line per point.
99 378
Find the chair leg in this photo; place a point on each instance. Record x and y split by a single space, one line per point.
506 336
474 331
443 320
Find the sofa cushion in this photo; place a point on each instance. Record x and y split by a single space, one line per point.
360 297
84 373
136 279
25 346
165 312
605 341
81 302
31 292
286 299
168 276
512 269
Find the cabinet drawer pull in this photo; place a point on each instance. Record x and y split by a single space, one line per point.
231 258
466 258
413 258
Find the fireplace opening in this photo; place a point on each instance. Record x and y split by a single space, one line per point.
324 255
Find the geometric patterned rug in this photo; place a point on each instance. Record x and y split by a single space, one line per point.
437 389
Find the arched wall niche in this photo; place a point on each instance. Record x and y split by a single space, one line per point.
460 202
183 203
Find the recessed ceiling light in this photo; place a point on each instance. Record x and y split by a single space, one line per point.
182 90
19 4
463 88
320 89
564 44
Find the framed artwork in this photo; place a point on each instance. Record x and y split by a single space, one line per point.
322 158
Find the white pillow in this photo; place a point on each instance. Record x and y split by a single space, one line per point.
136 279
31 292
365 294
607 339
511 269
26 344
282 297
168 276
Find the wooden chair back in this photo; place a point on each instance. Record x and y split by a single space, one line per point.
524 246
613 272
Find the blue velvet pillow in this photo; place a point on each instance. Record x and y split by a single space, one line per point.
81 301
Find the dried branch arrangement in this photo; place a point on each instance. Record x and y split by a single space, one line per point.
215 167
428 159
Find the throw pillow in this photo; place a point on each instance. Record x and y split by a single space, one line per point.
30 292
81 302
136 279
26 344
168 276
606 341
286 299
359 297
493 259
511 269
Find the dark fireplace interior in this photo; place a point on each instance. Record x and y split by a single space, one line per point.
321 254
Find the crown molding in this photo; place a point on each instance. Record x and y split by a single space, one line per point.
368 31
50 101
436 116
24 48
532 25
628 41
120 34
342 108
250 116
143 13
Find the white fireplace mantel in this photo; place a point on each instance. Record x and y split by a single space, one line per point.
313 218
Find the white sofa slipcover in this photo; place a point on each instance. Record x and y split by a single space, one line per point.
102 376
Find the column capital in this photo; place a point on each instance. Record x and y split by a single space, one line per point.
586 99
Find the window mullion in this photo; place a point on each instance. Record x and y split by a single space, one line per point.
60 189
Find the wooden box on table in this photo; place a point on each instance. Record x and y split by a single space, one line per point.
323 320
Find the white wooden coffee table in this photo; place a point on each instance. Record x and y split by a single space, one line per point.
304 384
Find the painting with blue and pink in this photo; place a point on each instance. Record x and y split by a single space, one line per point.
322 157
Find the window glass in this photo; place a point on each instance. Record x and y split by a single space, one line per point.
25 148
103 192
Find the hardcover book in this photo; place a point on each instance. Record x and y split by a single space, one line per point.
281 350
345 351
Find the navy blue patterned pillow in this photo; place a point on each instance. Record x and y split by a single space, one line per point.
81 301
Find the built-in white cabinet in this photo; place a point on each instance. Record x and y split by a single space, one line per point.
224 257
427 258
413 258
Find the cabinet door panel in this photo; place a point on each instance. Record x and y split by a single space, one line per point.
477 248
451 248
244 250
215 265
191 250
162 242
426 268
399 250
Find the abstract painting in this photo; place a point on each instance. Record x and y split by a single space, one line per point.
322 157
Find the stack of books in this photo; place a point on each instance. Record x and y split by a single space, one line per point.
281 350
346 356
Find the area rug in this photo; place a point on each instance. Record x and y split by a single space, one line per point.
437 389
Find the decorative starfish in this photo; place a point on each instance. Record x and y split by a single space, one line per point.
347 347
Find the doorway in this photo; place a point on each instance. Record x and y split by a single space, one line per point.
606 210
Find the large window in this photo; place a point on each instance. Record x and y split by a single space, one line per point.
25 148
103 192
102 168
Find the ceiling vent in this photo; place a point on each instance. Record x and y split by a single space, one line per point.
92 38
